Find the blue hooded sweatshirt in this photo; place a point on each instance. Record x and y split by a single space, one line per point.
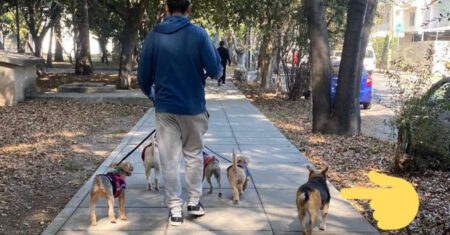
173 59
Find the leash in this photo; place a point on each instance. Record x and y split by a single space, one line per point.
135 148
212 151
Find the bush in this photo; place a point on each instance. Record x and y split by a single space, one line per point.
422 119
424 128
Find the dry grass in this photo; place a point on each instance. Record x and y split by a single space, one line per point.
351 158
48 150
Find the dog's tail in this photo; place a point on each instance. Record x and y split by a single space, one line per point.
234 161
302 197
154 144
97 181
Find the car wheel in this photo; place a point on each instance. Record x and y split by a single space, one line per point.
367 105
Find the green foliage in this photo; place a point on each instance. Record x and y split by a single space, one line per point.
102 22
383 48
421 118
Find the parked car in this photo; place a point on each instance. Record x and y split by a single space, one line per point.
335 56
370 61
366 91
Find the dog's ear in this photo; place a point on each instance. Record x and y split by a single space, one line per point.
324 172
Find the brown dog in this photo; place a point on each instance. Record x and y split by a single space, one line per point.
211 167
150 158
312 197
111 185
238 175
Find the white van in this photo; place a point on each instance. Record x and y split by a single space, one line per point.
370 60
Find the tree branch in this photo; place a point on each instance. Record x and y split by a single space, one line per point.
116 8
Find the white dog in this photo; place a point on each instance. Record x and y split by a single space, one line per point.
150 157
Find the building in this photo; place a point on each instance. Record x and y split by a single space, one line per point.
415 20
417 26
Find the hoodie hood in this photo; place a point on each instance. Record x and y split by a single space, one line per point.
172 24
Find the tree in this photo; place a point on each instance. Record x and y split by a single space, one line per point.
344 118
105 25
320 65
58 44
131 13
347 94
83 61
40 16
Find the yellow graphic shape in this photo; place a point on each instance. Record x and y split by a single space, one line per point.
395 203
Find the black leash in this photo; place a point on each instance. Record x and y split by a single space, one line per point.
153 132
139 145
218 154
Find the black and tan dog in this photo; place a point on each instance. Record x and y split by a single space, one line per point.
238 175
111 185
211 167
312 197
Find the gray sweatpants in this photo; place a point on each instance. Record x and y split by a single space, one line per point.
181 136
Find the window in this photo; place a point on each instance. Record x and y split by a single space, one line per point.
412 19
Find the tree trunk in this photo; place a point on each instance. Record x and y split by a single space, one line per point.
19 48
347 108
58 46
37 40
320 66
49 53
128 43
265 59
102 43
83 61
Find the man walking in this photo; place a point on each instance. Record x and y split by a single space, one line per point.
225 57
173 60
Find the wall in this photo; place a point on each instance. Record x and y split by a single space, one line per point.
16 82
414 53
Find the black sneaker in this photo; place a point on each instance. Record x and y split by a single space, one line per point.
195 209
176 218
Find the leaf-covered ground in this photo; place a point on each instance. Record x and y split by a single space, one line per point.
48 150
352 158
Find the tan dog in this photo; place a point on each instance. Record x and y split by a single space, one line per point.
211 167
111 185
312 197
150 157
238 175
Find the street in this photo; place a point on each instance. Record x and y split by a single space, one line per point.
375 121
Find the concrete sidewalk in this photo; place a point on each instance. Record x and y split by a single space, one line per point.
267 207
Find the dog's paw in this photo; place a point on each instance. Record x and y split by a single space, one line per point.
113 221
94 223
220 195
156 188
123 218
149 187
236 202
322 227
